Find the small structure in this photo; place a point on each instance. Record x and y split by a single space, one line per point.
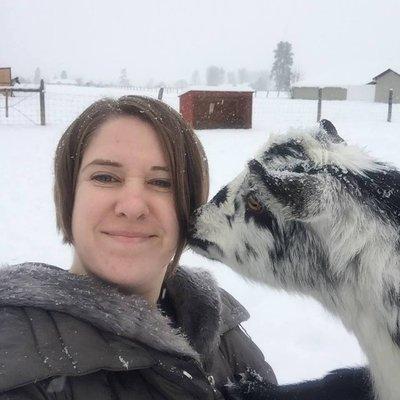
217 109
385 81
5 76
309 91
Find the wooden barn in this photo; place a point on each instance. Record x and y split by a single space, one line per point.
217 109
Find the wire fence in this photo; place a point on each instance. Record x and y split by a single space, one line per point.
64 103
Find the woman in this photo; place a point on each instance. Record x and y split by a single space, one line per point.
125 321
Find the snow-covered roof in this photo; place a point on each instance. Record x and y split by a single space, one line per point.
321 84
220 88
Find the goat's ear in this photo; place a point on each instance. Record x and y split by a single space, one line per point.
328 133
298 195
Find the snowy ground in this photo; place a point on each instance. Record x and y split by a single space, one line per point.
297 337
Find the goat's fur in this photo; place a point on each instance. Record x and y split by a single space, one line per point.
313 215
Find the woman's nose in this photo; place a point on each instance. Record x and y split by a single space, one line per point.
132 202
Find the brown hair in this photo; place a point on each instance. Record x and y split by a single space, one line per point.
184 153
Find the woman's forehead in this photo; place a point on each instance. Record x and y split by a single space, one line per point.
126 140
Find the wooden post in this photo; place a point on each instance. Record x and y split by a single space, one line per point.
42 104
160 93
390 103
319 104
6 103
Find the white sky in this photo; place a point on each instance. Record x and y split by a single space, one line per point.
347 41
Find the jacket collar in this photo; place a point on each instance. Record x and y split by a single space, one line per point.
202 311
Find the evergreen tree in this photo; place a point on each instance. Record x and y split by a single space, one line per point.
123 79
215 75
262 82
38 76
64 75
296 76
281 69
243 76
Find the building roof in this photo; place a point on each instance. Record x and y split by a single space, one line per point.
221 88
381 74
319 84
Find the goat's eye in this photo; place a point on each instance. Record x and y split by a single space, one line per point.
253 204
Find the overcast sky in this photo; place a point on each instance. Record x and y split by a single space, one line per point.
345 41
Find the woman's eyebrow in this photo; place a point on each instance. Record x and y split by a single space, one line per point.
110 163
99 161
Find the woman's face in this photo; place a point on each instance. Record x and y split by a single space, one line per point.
124 224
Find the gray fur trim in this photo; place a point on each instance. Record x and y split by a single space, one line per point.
102 305
197 304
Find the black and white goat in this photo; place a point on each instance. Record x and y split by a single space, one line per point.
313 215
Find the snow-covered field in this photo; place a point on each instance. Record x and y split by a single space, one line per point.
299 339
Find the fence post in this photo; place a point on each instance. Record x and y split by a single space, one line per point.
42 104
319 104
390 103
160 93
6 103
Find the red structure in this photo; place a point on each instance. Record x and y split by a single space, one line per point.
205 109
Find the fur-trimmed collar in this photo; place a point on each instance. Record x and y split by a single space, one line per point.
194 293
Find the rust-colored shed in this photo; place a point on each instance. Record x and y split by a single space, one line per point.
217 109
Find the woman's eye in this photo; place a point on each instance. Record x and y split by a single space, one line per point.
104 178
161 183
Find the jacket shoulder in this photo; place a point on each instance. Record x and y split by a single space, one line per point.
36 344
232 312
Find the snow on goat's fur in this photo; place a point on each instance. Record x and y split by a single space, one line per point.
313 215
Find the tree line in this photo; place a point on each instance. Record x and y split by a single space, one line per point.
280 76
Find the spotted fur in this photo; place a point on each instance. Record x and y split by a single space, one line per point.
313 215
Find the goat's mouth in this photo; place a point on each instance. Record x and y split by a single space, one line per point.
206 248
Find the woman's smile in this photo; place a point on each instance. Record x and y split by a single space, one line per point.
130 237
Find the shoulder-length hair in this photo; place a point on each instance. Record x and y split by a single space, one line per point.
183 151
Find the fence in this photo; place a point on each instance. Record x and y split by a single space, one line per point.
14 98
389 109
61 104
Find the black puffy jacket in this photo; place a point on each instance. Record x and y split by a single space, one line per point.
64 336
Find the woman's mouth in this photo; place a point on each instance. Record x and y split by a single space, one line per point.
129 237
